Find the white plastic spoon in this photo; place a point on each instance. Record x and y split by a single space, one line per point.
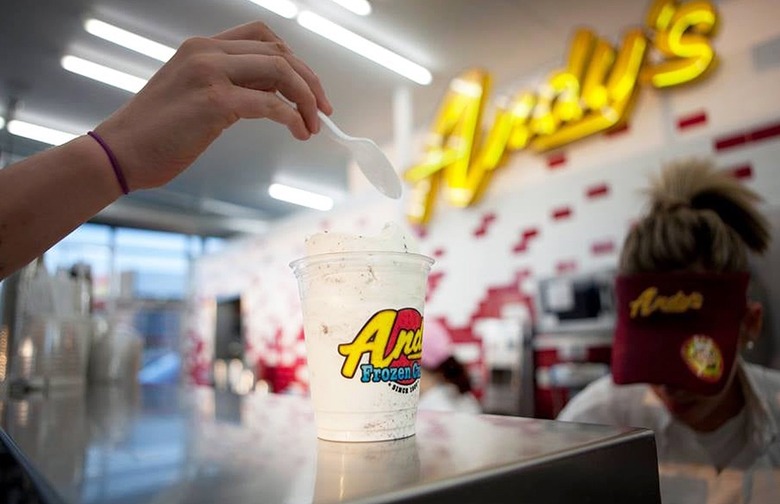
369 157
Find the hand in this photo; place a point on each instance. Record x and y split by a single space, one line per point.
209 84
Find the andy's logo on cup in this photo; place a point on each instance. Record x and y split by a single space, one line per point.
392 339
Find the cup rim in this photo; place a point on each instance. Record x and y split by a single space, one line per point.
328 256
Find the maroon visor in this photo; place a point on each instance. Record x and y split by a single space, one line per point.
678 329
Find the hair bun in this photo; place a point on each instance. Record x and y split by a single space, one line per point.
697 185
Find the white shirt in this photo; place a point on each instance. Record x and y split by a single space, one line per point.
686 469
447 397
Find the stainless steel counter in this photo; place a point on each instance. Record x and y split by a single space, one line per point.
168 445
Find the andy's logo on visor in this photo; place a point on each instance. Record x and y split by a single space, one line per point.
392 340
649 302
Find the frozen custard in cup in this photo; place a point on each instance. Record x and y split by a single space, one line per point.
362 299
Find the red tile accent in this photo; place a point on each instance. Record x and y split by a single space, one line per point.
434 279
603 247
489 217
697 119
597 191
742 172
724 143
561 213
566 266
620 129
530 233
420 231
764 133
439 252
480 231
556 160
521 247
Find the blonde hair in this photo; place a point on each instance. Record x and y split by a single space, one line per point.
699 218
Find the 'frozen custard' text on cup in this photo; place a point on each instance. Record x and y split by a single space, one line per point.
363 322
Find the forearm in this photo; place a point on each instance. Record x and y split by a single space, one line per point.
46 196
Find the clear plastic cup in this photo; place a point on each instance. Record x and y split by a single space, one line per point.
362 318
355 471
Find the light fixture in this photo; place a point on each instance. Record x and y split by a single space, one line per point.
129 40
103 74
2 122
364 47
359 7
283 8
39 133
300 197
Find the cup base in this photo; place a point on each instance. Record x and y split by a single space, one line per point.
356 428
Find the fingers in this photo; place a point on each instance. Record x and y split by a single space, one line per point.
253 104
256 30
237 47
275 73
259 63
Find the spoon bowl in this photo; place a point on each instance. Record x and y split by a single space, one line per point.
369 157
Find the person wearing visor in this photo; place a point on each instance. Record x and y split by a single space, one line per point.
445 383
683 316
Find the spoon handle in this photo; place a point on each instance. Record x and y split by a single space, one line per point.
333 130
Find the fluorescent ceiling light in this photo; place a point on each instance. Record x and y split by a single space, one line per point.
129 40
359 7
39 133
103 74
283 8
300 197
364 47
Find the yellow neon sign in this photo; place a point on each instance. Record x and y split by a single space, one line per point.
592 94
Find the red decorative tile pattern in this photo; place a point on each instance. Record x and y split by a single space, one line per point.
764 133
420 231
484 225
566 267
696 119
555 161
602 247
439 252
434 279
562 213
728 142
530 233
618 130
499 296
525 239
597 191
746 137
742 172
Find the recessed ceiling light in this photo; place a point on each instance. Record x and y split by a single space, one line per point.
283 8
103 74
359 7
129 40
300 197
39 133
365 47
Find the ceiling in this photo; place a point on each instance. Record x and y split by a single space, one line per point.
224 192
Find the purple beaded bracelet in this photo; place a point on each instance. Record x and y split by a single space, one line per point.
114 163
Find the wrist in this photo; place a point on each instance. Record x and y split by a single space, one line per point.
97 171
112 159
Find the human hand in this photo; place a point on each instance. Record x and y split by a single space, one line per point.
208 85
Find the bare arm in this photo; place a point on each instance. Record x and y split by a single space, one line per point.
207 86
45 197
